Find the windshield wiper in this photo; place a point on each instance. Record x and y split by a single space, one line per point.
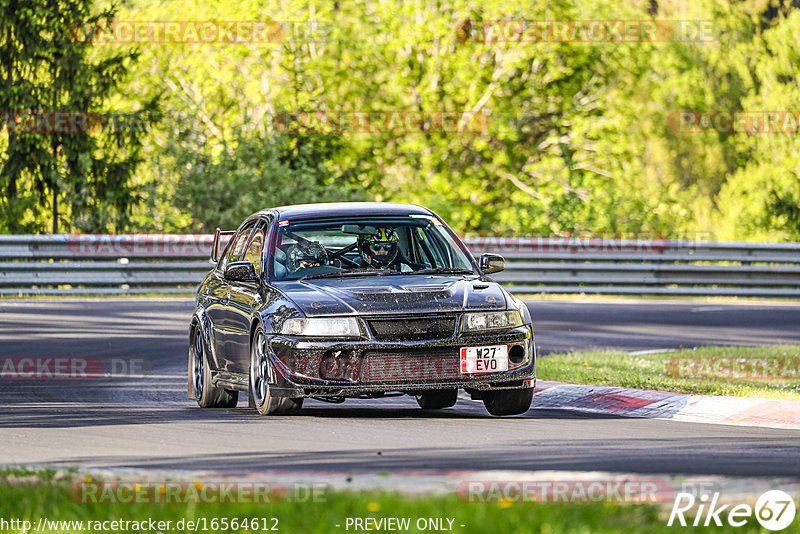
442 270
351 272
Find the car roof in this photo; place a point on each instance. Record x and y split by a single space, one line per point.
344 209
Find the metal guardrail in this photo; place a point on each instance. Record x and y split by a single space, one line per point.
171 263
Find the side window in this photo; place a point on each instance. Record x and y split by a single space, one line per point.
236 251
254 253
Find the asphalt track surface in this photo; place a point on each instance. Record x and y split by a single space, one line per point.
145 420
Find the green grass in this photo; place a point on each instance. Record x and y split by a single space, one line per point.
51 500
13 471
652 371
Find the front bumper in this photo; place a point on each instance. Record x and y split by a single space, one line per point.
364 367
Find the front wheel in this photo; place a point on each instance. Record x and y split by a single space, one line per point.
437 399
509 401
261 376
205 392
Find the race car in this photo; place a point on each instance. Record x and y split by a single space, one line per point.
356 301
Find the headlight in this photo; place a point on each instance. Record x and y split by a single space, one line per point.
317 327
491 321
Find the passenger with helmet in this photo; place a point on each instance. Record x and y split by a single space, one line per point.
306 255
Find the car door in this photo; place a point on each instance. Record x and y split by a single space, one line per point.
222 312
245 299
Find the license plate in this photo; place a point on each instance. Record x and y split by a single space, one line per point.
484 359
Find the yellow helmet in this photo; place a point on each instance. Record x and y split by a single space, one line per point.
379 249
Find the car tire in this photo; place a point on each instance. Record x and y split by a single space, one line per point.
436 399
261 374
508 402
206 393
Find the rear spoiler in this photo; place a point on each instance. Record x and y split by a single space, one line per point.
215 245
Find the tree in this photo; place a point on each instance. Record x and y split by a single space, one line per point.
260 173
579 137
64 156
761 199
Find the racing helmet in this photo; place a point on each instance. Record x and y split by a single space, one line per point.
306 255
379 249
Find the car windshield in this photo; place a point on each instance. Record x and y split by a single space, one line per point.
370 246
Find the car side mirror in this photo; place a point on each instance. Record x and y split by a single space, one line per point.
491 263
241 271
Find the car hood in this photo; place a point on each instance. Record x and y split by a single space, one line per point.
386 295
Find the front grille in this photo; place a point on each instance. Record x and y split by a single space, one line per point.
410 366
413 328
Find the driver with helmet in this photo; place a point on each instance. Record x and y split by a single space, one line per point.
381 250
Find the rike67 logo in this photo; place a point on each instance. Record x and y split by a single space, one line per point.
774 510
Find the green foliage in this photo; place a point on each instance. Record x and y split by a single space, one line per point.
578 136
259 173
761 199
44 70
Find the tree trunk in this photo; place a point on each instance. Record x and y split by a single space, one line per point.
55 210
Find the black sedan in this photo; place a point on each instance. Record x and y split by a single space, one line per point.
356 300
